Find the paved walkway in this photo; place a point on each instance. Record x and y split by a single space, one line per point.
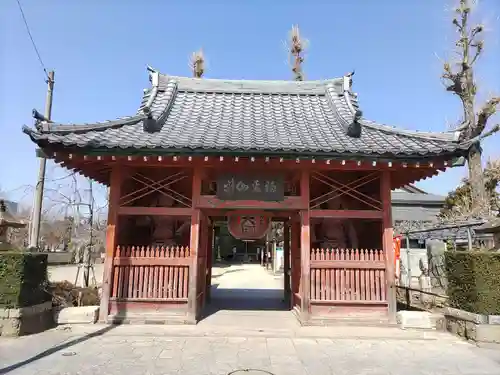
247 296
236 336
245 276
196 350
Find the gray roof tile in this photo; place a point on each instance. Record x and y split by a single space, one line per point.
249 116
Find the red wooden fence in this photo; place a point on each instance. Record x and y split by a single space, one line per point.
150 273
348 276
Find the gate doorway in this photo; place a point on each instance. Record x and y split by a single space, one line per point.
246 275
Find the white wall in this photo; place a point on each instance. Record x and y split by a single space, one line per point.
68 273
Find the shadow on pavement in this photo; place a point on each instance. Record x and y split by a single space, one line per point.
57 348
226 272
245 299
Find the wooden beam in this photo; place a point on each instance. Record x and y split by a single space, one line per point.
111 239
211 201
236 163
358 302
151 261
387 239
347 214
225 160
305 189
351 188
150 301
155 211
348 264
248 212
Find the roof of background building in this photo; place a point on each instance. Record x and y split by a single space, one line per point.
417 198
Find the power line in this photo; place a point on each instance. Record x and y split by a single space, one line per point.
32 40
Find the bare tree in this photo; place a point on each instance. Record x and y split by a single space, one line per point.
73 218
19 237
296 47
406 226
460 80
459 203
75 215
197 63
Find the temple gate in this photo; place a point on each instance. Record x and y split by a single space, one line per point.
254 151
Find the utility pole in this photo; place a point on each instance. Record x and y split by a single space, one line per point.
38 199
88 249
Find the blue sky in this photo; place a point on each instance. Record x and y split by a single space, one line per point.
99 50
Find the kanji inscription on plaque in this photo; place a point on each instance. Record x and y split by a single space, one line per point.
250 187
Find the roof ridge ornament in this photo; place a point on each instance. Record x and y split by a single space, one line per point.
348 80
149 124
354 128
42 123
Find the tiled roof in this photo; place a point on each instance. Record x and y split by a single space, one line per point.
457 231
406 198
491 226
275 117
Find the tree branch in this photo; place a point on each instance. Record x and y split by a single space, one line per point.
489 108
480 137
479 48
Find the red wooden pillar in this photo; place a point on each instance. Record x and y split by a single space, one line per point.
202 257
194 243
296 263
286 262
210 242
387 241
305 246
115 186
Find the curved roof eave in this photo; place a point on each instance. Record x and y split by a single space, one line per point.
158 108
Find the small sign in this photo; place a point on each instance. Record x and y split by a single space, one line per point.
247 187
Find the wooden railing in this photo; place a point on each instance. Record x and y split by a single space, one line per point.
348 276
151 273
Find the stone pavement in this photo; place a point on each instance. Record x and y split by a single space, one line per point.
245 287
244 329
194 350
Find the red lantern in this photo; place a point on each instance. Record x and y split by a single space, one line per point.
397 254
248 227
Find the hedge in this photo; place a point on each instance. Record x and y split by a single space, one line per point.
23 279
474 281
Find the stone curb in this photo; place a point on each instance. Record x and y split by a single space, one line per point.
472 317
25 311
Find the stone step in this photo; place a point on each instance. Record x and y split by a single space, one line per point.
171 318
77 315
